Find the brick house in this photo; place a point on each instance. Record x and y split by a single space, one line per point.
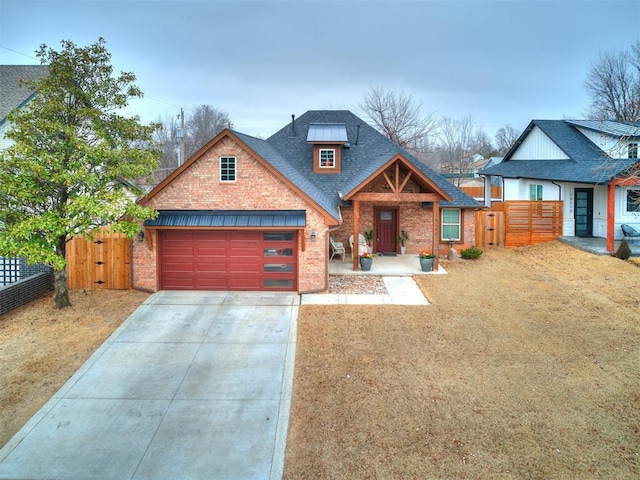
250 214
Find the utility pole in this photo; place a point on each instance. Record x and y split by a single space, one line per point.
181 137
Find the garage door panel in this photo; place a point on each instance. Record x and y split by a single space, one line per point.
228 260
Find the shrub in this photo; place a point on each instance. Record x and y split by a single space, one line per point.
471 253
623 252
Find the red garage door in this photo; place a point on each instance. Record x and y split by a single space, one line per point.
228 260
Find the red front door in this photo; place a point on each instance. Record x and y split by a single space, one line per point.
386 229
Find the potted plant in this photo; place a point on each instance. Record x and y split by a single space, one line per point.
426 261
368 237
366 259
402 238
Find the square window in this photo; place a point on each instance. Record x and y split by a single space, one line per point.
450 224
633 150
227 169
327 158
535 192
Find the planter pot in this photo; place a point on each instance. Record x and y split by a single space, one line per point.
426 264
365 264
403 249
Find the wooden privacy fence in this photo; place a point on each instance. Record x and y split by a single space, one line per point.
519 223
103 262
478 192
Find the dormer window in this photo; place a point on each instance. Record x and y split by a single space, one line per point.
633 150
327 158
328 140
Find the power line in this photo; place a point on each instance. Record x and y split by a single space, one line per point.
19 53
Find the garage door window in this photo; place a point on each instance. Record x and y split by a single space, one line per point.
278 236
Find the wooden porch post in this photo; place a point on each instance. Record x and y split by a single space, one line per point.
436 232
611 215
355 250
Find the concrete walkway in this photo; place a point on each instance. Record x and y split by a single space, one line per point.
401 290
192 385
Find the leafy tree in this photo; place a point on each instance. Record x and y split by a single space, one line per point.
614 85
65 173
399 117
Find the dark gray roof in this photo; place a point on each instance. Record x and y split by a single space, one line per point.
229 218
366 152
12 93
587 163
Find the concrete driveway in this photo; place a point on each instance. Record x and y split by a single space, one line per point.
192 385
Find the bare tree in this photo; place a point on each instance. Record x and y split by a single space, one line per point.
204 123
614 85
458 141
505 138
398 116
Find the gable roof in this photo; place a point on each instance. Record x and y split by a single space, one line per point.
586 163
12 93
289 155
366 152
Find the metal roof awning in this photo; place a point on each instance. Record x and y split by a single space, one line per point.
229 219
327 133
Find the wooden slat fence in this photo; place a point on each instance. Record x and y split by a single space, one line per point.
519 223
103 262
478 192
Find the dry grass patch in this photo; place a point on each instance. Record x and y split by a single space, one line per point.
41 347
527 365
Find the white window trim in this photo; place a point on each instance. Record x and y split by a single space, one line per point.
458 224
333 157
235 169
538 187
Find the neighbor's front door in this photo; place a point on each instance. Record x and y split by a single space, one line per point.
386 229
583 212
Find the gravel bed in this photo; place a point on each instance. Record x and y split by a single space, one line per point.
358 284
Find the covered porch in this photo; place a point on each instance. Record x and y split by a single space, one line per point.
400 265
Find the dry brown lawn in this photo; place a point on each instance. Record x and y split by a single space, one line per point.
41 347
525 366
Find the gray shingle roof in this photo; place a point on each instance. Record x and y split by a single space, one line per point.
586 163
367 151
12 93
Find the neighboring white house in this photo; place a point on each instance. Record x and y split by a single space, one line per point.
590 165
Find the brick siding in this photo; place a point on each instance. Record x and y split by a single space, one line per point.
256 188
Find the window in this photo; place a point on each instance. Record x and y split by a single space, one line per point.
633 150
633 200
227 169
327 158
450 224
535 192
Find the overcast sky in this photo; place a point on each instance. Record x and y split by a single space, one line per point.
500 62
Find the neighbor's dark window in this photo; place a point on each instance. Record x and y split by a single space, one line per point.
227 169
633 150
633 200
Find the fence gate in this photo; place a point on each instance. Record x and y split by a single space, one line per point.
103 262
489 228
